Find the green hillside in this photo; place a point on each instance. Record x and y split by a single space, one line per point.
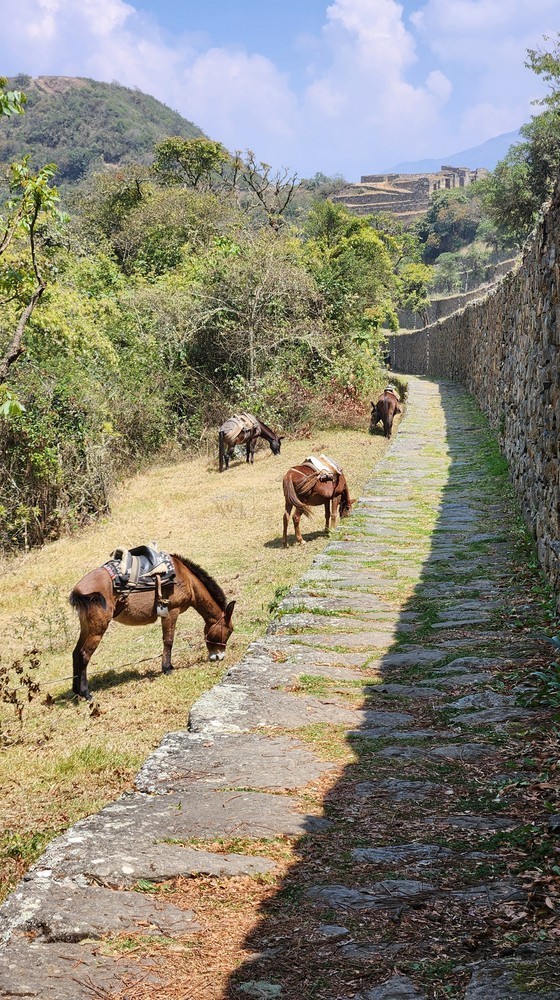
78 123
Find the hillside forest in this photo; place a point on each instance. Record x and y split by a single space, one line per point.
168 282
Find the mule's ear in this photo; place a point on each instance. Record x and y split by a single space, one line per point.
281 438
355 500
372 403
229 610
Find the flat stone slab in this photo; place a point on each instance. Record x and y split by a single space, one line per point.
280 652
502 979
136 820
466 752
396 988
470 664
402 791
382 720
406 691
469 822
399 853
33 969
483 699
460 622
249 760
404 734
233 708
417 657
121 861
299 622
66 911
350 640
464 680
298 598
493 715
386 895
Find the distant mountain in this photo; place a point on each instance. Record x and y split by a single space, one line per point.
485 155
79 123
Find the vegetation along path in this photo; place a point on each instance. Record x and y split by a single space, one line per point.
362 807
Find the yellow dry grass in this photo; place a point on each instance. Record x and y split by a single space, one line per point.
65 762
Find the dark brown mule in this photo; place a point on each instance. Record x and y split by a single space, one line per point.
97 604
303 489
386 408
247 436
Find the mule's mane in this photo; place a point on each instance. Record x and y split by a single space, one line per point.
267 431
209 582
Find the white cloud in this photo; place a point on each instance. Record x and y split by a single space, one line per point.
380 86
221 87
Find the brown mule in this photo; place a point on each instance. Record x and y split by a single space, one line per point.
235 431
97 604
304 488
385 410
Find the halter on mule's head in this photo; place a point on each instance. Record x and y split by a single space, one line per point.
216 634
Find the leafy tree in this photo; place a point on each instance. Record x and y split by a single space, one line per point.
450 222
513 195
194 162
22 280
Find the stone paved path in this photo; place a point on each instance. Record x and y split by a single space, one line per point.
383 679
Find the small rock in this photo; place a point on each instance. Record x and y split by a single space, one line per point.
260 990
331 932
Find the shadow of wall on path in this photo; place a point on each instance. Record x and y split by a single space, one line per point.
359 905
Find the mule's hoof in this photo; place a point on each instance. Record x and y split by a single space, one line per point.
167 670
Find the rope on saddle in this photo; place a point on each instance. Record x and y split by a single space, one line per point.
307 484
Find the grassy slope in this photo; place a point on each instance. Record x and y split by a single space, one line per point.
65 762
78 122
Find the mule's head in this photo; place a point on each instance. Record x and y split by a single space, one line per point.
375 418
217 634
346 504
275 445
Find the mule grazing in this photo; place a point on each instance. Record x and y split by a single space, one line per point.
97 603
307 486
385 410
244 429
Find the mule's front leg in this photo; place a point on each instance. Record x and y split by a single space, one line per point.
168 629
334 510
327 516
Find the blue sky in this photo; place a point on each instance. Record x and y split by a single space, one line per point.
347 87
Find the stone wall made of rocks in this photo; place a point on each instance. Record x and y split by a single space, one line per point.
505 350
439 308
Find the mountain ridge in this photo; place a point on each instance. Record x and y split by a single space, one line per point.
487 154
79 124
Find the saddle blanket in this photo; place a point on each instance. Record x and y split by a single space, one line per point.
139 568
323 464
240 423
391 388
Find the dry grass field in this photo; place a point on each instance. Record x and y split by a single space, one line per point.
65 758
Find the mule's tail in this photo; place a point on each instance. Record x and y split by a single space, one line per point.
83 602
221 449
292 497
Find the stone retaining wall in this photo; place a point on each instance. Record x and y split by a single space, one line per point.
504 349
442 307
